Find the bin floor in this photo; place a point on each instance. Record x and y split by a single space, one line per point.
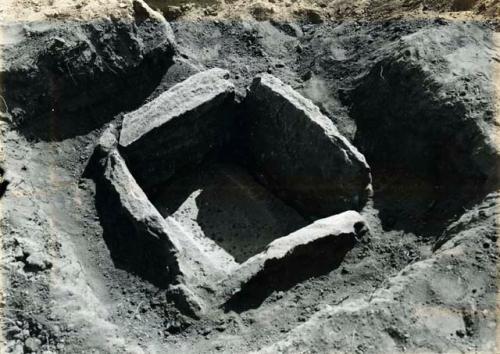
225 203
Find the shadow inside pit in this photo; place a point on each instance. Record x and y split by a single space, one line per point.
421 205
430 160
222 201
299 267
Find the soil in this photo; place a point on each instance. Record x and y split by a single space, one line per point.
401 289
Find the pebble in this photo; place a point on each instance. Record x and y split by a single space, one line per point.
32 344
38 262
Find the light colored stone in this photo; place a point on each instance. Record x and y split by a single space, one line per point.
159 249
179 127
37 262
288 260
186 301
31 345
301 153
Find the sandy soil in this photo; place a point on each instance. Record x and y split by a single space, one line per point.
313 10
38 10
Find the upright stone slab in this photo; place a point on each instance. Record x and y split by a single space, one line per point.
301 154
311 251
179 128
143 242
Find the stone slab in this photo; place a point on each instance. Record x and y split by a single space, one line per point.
179 128
300 152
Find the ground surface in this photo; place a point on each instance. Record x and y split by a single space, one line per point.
393 293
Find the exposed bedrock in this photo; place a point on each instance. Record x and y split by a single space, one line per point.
311 251
63 79
425 117
299 152
179 128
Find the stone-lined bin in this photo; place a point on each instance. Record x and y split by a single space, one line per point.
300 152
179 130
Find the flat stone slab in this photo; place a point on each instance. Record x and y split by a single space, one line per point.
300 152
179 127
311 251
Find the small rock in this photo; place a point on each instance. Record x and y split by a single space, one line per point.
261 12
172 12
32 344
37 262
206 331
174 327
25 333
310 15
18 349
221 328
210 11
307 76
13 331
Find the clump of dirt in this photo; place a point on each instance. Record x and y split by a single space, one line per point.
50 65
